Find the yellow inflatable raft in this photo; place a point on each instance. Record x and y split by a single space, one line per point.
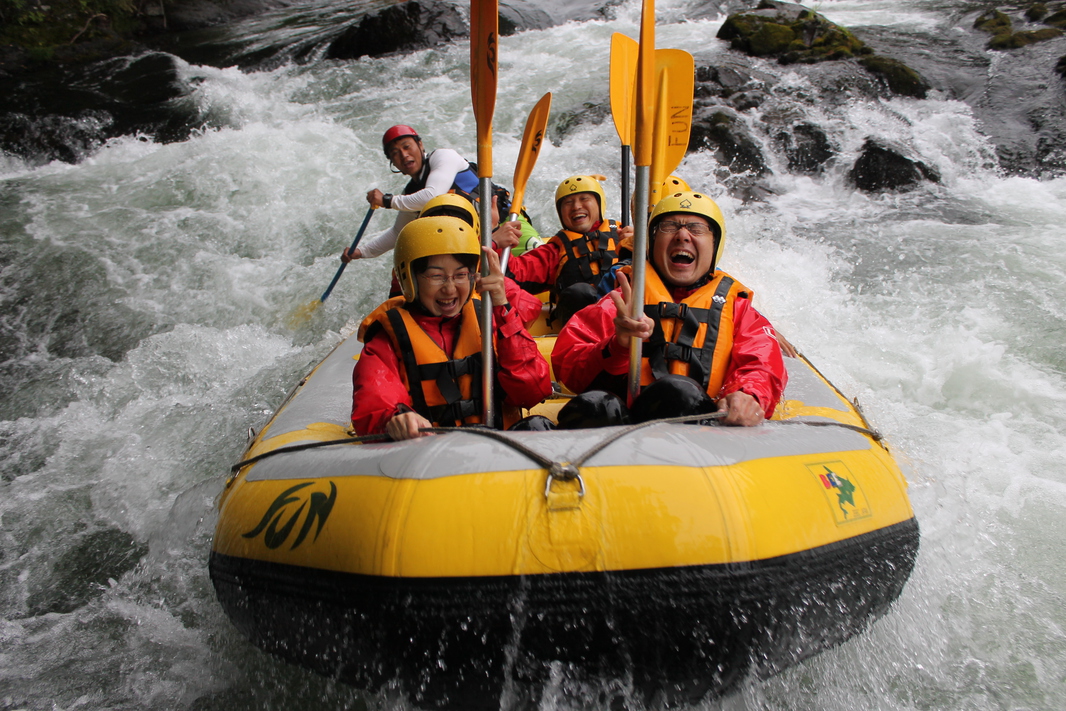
679 558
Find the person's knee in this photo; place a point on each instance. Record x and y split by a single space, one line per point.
595 408
533 423
671 396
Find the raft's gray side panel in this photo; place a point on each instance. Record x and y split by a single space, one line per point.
326 397
465 453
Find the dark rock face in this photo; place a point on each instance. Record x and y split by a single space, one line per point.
721 130
412 25
69 110
882 166
807 148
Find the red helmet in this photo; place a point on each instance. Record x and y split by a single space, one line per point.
397 131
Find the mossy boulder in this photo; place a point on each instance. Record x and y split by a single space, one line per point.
1057 20
1036 12
900 78
994 22
790 32
1014 40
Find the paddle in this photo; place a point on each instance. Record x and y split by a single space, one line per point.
484 33
622 79
532 138
302 314
673 121
642 145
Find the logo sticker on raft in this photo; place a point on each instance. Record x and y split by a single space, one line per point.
845 496
317 506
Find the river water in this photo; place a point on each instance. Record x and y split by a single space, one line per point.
144 296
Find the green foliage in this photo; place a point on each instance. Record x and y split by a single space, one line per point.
37 24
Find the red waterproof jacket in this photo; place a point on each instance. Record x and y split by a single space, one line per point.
378 389
586 349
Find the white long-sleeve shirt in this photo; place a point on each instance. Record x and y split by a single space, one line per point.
444 165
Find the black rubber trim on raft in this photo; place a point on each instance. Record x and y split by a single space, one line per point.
687 633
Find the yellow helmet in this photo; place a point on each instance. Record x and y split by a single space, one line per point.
582 184
691 203
426 237
453 205
674 184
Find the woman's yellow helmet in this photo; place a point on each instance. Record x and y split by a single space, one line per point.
452 205
426 237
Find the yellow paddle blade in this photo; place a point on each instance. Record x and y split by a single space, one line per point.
623 77
532 138
484 37
302 314
673 119
645 91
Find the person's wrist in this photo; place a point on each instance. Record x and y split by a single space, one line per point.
386 201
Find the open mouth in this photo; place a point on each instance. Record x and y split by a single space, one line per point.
447 305
682 258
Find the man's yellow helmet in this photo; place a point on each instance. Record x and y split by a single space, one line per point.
426 237
453 205
583 184
690 203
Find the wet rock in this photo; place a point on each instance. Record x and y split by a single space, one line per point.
994 22
883 166
520 15
566 121
1060 66
1057 20
807 148
900 78
723 80
795 34
408 26
63 111
1015 40
719 129
790 32
81 573
1036 12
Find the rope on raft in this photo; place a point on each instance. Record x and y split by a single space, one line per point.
558 470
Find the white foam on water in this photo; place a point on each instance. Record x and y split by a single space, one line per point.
940 309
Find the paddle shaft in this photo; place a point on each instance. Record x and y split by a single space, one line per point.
355 243
640 250
626 155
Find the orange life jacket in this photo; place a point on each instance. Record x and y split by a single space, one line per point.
581 262
693 337
446 391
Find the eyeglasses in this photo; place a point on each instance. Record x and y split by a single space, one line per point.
442 279
696 229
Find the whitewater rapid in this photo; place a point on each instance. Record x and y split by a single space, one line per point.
144 303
